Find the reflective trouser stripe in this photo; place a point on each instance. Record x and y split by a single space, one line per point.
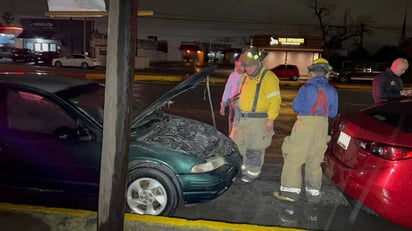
291 190
250 173
313 192
254 174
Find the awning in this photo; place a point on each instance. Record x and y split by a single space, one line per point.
37 34
190 47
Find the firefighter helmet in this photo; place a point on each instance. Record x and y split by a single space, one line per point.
253 55
320 64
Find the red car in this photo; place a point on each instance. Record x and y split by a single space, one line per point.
286 71
45 56
369 158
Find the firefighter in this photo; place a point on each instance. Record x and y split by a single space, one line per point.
258 105
315 102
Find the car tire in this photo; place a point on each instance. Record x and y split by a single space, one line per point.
295 78
84 65
58 64
151 192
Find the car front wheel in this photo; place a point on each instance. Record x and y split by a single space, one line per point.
152 192
58 64
85 65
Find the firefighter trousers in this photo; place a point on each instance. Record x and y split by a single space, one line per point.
252 139
306 146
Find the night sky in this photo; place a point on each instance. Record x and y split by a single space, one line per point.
385 17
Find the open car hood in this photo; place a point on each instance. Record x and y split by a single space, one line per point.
188 84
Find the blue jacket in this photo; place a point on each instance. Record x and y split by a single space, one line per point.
307 96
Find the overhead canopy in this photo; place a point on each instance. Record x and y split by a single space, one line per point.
91 13
76 8
82 8
76 5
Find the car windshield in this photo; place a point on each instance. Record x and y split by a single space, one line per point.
90 99
398 114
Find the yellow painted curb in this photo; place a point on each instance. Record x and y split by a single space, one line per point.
214 80
170 78
165 221
40 209
213 225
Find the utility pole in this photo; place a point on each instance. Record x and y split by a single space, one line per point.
116 126
362 29
403 31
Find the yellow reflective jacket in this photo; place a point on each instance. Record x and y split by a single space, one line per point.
269 98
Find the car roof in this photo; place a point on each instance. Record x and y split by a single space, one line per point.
43 82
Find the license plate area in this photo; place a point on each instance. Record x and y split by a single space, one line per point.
343 140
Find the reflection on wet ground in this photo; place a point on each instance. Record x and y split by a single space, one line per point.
253 203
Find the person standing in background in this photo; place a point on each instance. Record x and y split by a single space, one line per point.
388 85
259 106
231 91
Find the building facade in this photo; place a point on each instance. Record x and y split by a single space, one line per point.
296 50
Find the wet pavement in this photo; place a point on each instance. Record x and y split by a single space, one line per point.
253 203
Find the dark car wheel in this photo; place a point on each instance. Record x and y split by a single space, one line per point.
85 65
152 192
294 78
58 64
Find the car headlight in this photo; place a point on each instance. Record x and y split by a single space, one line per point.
210 165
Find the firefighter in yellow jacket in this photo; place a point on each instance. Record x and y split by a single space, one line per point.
258 105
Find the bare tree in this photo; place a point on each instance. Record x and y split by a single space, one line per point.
335 32
8 18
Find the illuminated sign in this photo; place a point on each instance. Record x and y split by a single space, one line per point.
42 24
286 41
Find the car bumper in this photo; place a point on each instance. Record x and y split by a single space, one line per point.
208 186
367 186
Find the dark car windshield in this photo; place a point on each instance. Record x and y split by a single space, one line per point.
397 114
90 99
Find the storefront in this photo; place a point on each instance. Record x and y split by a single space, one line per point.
300 51
191 52
63 36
